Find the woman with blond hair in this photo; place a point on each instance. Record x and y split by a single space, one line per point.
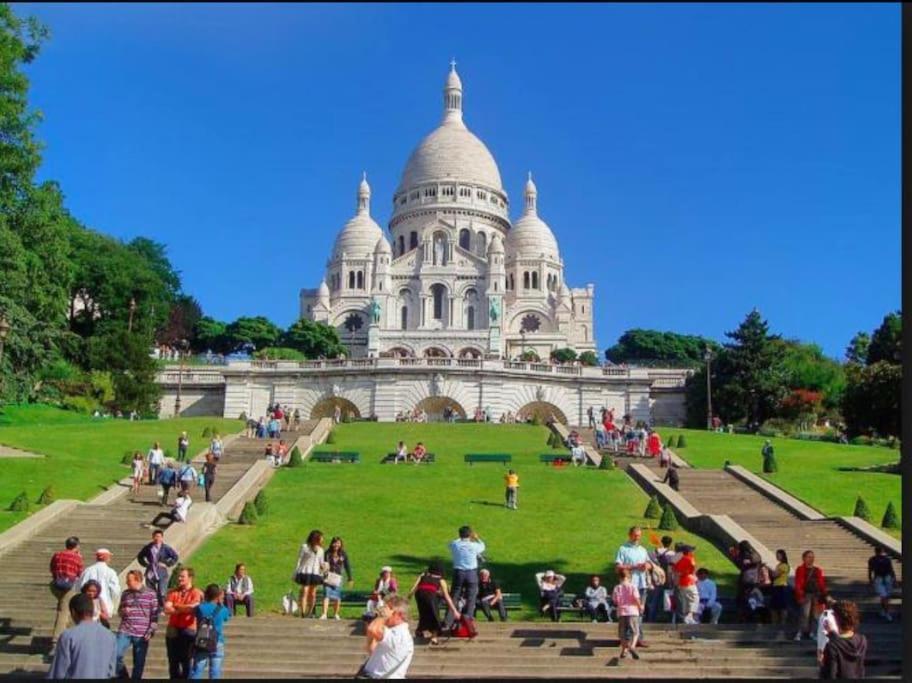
309 571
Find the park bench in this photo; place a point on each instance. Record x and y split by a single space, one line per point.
472 458
329 456
390 457
551 458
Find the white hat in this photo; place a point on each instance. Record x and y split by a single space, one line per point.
549 573
102 551
386 569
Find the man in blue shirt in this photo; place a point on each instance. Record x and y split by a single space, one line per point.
87 650
214 612
633 556
465 551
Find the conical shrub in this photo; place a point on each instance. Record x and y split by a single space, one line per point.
862 510
248 514
295 459
206 433
331 438
890 518
47 496
671 443
669 521
769 464
607 463
20 503
127 458
261 503
653 509
682 442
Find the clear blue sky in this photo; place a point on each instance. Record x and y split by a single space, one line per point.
694 161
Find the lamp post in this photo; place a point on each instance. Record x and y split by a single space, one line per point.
132 311
708 356
181 349
4 330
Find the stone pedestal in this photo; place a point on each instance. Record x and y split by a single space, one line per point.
373 341
495 341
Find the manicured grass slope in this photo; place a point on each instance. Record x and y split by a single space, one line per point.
571 520
807 469
83 454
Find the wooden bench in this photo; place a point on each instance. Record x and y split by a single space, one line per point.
551 458
391 457
472 458
512 601
329 456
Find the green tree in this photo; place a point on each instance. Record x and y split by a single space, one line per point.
890 518
565 355
257 330
861 509
886 342
651 346
668 522
183 318
857 350
313 339
588 358
807 368
209 335
872 399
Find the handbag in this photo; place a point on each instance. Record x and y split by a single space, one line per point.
289 603
332 579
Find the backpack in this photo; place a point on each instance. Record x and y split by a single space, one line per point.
464 628
206 636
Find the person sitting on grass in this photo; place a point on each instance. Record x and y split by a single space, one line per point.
239 590
420 452
578 455
401 453
386 583
178 512
550 589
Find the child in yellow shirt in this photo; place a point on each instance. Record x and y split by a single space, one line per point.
511 479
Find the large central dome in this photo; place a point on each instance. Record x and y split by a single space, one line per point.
452 151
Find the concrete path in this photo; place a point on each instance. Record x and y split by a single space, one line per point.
10 452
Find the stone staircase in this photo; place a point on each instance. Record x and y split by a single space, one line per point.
286 647
27 607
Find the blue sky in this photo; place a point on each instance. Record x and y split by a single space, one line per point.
694 161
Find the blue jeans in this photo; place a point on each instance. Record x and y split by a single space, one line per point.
212 659
140 648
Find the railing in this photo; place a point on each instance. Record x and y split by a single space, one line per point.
190 377
616 372
540 367
468 362
438 362
567 370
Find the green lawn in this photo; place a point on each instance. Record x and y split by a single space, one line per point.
571 520
807 469
83 454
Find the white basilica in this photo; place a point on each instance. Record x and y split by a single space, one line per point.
453 277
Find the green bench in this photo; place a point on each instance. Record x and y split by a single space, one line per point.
472 458
391 457
329 456
551 458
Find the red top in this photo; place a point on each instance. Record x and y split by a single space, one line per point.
654 444
188 597
686 568
66 564
801 582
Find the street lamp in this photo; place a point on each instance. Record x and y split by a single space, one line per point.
181 350
4 330
132 310
708 356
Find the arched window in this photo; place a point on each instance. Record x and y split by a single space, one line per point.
534 279
470 318
413 240
360 279
401 245
465 239
439 293
482 241
351 279
403 313
526 280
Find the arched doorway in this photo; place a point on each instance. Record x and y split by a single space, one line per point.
435 352
434 407
542 410
399 352
469 352
327 408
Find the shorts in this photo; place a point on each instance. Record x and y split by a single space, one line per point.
303 579
883 586
628 627
332 593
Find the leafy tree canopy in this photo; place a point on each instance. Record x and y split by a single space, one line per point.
857 350
258 330
651 345
313 339
886 342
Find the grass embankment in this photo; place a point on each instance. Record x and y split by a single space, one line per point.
571 520
83 454
808 470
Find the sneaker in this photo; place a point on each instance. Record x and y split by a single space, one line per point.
337 617
323 616
623 655
633 653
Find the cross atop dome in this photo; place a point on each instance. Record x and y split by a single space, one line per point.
452 96
453 64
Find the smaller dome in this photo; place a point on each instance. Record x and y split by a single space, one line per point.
323 290
359 236
530 236
496 246
383 246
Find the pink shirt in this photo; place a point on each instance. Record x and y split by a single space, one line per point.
626 598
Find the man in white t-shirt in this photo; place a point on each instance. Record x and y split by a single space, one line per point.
389 641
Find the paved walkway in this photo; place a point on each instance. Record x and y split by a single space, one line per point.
10 452
27 607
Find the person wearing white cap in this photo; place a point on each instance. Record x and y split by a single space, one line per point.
106 578
386 582
550 587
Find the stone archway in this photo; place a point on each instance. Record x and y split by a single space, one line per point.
542 410
435 352
469 352
399 352
434 406
327 408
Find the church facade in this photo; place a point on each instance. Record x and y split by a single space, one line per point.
453 276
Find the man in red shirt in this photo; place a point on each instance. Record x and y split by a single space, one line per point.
180 606
688 596
810 587
66 567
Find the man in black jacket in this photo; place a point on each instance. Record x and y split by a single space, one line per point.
157 557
